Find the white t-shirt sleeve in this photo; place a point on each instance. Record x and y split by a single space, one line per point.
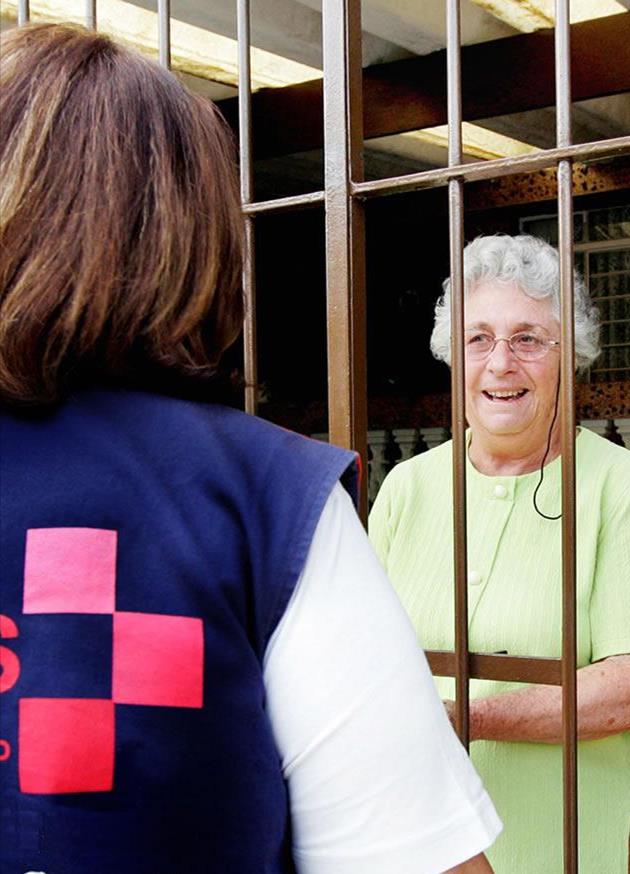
378 781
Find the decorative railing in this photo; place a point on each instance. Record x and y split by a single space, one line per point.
389 446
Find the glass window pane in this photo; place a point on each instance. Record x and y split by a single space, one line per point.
609 224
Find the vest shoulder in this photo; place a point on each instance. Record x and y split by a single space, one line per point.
142 410
197 431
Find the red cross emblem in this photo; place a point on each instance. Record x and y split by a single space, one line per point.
67 744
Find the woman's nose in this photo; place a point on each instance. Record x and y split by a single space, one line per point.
501 359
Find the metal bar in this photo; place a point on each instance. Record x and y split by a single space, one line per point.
244 100
603 274
164 33
90 14
611 297
525 188
567 424
608 369
483 170
410 94
567 419
246 168
24 12
458 419
345 229
285 204
250 335
602 246
497 666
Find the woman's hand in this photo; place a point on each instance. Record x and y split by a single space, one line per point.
450 707
535 713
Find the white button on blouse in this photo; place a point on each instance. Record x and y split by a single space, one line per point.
500 491
474 578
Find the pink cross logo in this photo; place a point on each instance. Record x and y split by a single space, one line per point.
68 744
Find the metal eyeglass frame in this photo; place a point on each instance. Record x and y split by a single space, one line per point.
508 340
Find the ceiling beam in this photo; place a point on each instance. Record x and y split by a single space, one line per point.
514 74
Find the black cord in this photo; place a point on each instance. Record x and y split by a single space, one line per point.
542 463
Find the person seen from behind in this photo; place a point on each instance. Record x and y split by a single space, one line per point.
204 667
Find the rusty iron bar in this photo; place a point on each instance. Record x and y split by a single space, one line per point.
24 12
567 418
250 336
477 172
243 31
484 170
567 423
246 169
90 14
286 204
345 229
458 418
498 666
164 33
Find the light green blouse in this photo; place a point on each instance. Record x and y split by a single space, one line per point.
515 606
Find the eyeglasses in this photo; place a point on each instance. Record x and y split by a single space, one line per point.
525 345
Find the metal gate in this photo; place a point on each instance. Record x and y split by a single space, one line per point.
343 197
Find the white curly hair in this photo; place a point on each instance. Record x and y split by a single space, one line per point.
534 266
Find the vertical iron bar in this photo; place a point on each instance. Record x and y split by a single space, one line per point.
243 31
164 33
90 14
567 418
250 352
345 229
250 337
456 239
24 12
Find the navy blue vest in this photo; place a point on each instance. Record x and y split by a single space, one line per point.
149 549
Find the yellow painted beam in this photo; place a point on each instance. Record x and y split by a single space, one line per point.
530 15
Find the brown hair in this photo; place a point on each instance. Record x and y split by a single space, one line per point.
120 224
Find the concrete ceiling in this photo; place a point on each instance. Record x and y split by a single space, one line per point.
287 36
395 29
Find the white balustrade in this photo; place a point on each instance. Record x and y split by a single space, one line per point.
407 441
377 466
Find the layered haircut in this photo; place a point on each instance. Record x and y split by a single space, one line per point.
120 221
534 266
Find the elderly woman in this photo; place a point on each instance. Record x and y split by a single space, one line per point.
178 578
512 374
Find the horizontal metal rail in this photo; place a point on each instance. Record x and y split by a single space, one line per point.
479 171
498 666
494 169
285 204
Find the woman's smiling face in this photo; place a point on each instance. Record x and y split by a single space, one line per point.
507 397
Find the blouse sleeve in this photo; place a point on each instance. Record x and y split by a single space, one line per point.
610 601
379 524
377 779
